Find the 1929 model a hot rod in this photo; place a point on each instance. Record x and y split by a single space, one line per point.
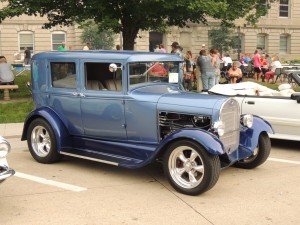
129 109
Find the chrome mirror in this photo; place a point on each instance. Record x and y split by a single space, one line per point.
113 67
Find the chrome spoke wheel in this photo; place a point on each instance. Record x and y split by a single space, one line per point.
189 168
40 141
186 167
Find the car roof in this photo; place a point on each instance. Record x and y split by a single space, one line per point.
129 56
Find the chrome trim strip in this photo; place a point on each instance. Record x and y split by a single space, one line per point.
89 158
7 173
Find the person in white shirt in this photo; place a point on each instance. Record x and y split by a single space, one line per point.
274 65
227 61
6 75
156 48
87 47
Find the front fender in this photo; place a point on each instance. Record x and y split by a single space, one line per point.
249 136
209 141
59 129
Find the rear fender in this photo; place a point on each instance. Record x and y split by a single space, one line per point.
59 129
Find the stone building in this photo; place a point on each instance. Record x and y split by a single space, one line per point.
278 33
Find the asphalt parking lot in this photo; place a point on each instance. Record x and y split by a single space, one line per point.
77 191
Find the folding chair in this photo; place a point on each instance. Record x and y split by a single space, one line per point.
294 79
249 71
278 75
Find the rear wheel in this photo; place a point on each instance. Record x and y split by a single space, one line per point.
260 154
42 142
189 168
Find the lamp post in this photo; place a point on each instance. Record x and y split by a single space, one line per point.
239 42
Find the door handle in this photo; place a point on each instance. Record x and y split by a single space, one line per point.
250 102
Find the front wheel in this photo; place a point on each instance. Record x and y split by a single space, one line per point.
189 168
260 154
42 142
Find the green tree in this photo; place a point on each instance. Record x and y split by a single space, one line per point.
99 39
223 38
129 16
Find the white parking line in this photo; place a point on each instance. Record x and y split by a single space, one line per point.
51 182
284 161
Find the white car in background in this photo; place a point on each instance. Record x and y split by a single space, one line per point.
5 170
280 108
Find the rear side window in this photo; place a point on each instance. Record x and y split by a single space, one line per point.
63 74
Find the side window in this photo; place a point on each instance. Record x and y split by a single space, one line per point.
63 74
57 38
99 77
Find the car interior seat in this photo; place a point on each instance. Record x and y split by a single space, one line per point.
113 85
94 85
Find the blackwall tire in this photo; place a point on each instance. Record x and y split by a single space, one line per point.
260 155
190 169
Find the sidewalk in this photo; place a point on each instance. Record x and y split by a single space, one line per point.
11 129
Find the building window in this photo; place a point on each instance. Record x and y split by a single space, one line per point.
26 40
284 8
261 42
283 44
57 39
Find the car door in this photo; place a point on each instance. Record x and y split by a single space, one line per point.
282 112
102 110
63 95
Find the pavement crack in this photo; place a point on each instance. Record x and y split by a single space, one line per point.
182 200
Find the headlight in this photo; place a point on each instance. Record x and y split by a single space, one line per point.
4 147
219 128
247 120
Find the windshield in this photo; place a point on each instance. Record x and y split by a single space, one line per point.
145 72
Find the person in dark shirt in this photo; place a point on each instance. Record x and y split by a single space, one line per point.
27 56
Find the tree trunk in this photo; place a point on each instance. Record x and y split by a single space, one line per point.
129 36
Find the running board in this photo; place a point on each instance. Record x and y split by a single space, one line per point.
99 157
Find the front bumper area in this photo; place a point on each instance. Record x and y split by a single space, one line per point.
5 171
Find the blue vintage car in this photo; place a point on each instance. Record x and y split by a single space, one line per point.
129 109
5 170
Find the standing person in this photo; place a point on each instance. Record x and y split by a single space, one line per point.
216 59
62 47
156 48
87 46
6 75
257 65
188 70
207 70
162 48
27 56
264 66
176 49
227 61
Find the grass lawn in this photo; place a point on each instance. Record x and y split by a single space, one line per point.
16 110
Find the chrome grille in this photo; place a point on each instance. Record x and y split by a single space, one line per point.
230 116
